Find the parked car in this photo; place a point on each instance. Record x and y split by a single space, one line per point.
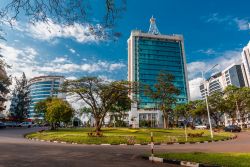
2 125
26 124
11 124
232 128
200 127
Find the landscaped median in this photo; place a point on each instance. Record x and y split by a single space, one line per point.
126 136
206 159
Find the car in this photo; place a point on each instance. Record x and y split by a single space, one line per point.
200 127
26 124
11 124
2 125
232 128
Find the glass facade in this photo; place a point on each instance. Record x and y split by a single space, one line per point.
151 55
236 76
42 88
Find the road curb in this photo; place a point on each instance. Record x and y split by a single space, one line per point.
177 162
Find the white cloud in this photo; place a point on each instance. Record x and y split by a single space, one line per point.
194 88
60 60
25 60
207 51
195 68
72 50
116 66
20 60
241 23
50 30
227 58
59 65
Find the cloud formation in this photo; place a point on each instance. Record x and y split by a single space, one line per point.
25 60
72 50
194 88
227 58
20 60
241 23
51 31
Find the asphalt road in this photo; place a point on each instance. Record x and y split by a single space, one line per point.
18 151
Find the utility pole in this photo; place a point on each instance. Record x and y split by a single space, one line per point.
206 99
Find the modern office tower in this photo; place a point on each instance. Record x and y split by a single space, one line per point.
43 87
149 54
245 54
212 84
232 75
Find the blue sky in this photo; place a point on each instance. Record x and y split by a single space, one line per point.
214 32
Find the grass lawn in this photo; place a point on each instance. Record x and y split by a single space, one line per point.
124 135
221 159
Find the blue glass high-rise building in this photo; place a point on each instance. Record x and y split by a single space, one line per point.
148 55
41 88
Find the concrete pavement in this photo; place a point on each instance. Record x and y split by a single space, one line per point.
15 151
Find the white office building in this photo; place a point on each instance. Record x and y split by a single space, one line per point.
232 75
245 55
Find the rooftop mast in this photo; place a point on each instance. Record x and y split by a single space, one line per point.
153 28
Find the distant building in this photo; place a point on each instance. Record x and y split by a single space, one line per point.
43 87
148 55
245 55
232 75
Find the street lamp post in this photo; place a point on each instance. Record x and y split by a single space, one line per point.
206 92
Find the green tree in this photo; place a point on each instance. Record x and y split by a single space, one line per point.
244 104
99 95
164 93
20 99
55 110
234 101
217 106
41 107
5 82
183 111
119 111
239 101
198 109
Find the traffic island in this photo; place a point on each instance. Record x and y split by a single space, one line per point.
125 136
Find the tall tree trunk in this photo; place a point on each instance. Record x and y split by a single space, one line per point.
165 119
98 124
53 126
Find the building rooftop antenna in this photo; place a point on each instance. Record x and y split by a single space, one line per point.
153 28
